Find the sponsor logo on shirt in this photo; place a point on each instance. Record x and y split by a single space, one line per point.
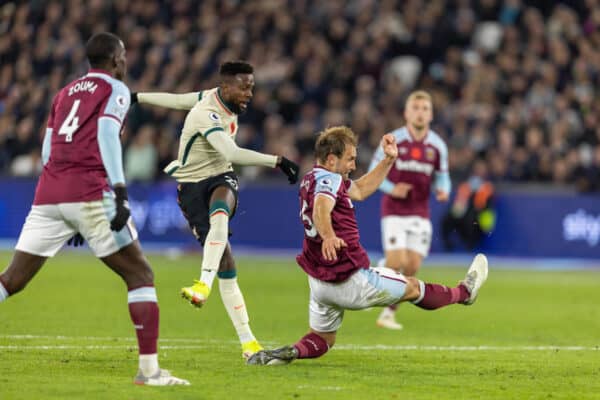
414 166
214 116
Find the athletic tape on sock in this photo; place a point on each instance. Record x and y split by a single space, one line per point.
227 274
218 206
146 293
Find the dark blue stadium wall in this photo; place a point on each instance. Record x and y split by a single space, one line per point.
529 224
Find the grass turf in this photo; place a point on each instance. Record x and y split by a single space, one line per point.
68 335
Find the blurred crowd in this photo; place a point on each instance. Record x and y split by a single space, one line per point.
514 82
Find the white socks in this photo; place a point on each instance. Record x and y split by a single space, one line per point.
236 308
148 364
214 246
3 293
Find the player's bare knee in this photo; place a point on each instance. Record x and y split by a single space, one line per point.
395 265
140 274
411 269
8 283
227 262
146 274
413 289
12 284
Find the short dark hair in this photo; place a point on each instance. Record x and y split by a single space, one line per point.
333 141
101 47
231 68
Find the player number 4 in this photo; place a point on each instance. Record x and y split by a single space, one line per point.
71 123
309 226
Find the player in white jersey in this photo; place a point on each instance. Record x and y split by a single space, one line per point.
422 165
208 187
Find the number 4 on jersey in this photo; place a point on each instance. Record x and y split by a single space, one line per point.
71 123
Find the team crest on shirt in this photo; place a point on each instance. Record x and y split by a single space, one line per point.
402 150
429 154
214 116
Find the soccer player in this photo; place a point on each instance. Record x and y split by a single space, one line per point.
208 188
81 150
337 265
422 163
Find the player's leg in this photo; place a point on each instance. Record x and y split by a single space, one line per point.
43 234
417 234
131 265
234 303
222 205
312 345
209 218
324 320
431 296
394 238
19 272
122 253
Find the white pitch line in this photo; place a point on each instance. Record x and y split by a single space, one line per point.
111 339
194 343
465 348
95 347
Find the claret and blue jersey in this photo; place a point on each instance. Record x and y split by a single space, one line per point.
321 182
420 163
87 108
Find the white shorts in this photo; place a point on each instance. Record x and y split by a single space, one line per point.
49 226
365 288
413 233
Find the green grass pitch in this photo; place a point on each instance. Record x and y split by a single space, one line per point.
531 335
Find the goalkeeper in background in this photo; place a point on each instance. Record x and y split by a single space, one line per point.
208 188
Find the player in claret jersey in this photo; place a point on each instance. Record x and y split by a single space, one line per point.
82 159
337 265
421 167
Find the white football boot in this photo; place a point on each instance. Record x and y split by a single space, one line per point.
476 276
162 377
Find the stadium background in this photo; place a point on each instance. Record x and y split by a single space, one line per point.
514 84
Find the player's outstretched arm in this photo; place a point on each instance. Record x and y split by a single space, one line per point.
369 182
237 155
183 101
